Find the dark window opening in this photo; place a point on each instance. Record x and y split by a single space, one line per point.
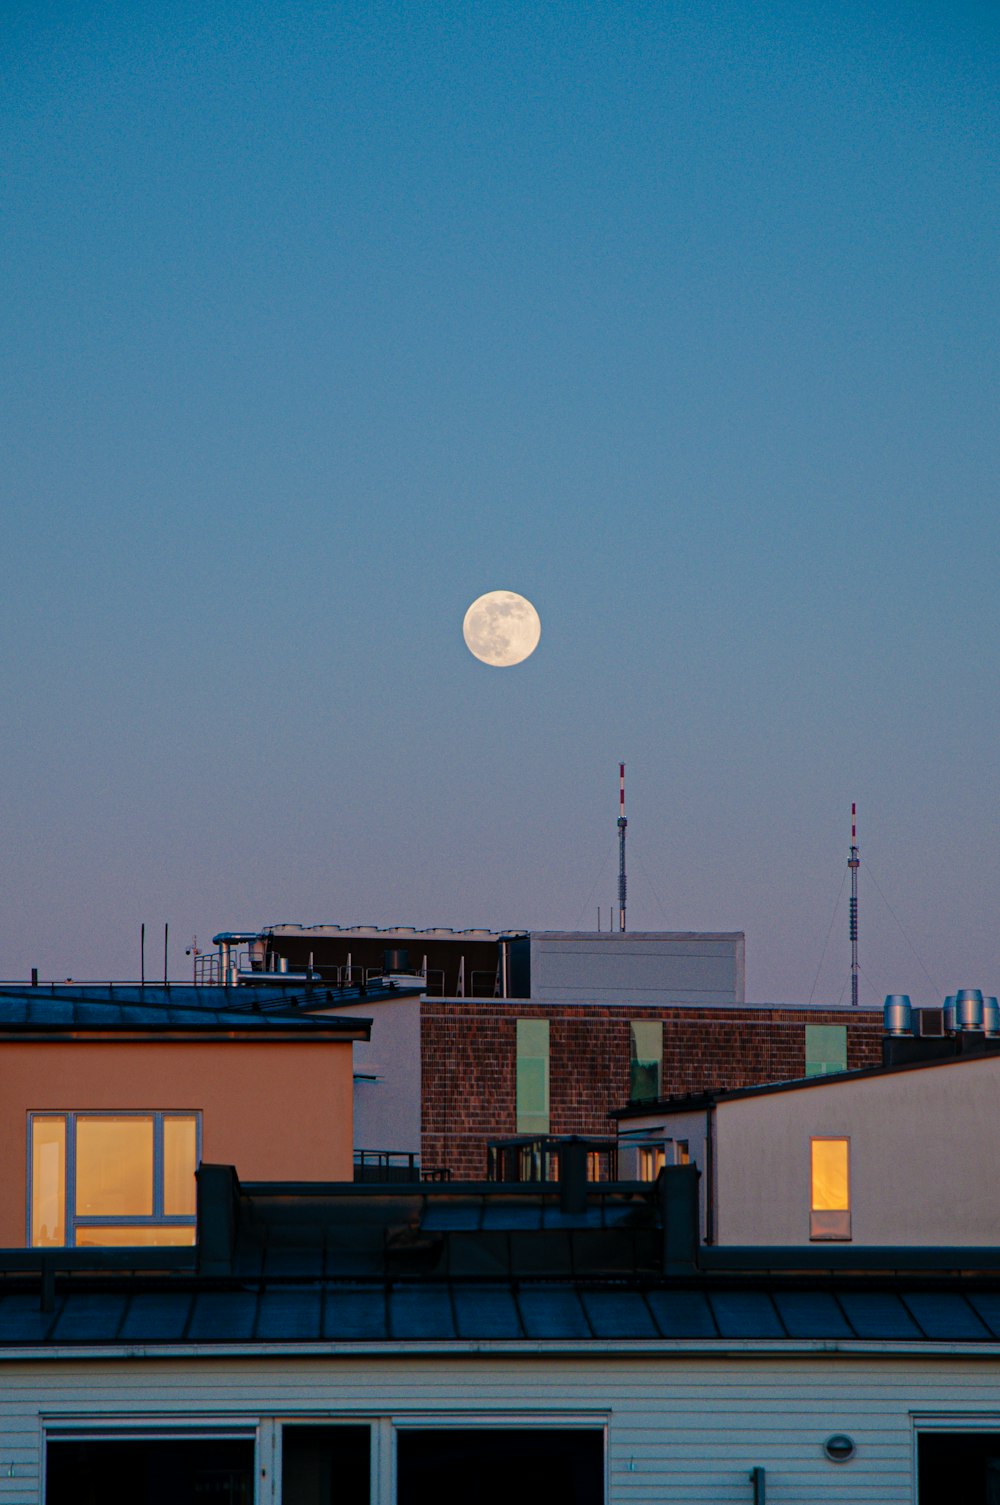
500 1465
326 1465
151 1471
959 1466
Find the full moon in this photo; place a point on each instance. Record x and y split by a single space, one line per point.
501 628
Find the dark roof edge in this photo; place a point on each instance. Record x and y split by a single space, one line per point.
859 1073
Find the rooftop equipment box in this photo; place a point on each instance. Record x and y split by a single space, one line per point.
642 966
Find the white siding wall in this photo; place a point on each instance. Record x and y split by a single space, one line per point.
683 1429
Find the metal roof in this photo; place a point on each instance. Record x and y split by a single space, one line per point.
313 1308
344 1264
27 1009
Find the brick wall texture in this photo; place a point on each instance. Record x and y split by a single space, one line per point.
469 1064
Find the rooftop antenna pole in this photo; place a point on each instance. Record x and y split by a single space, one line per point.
622 823
854 862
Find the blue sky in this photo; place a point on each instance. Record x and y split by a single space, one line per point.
679 319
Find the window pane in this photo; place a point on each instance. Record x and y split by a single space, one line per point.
533 1076
829 1175
323 1465
48 1181
646 1056
826 1048
147 1471
493 1466
114 1166
180 1141
139 1235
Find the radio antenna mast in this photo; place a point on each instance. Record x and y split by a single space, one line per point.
853 863
622 823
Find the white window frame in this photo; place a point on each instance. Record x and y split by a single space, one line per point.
159 1426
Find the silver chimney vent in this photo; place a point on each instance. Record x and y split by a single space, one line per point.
991 1016
897 1014
950 1017
969 1009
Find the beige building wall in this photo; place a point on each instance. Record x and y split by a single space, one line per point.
924 1151
276 1110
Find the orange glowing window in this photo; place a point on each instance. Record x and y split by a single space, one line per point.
830 1189
112 1178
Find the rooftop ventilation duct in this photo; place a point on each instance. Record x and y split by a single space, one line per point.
897 1014
969 1009
991 1016
950 1017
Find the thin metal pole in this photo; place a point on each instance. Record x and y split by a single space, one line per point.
166 936
142 954
854 862
622 823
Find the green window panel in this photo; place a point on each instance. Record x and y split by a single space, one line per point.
826 1049
646 1059
532 1076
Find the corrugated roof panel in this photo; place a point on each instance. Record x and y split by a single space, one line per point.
303 1262
682 1314
465 1217
483 1254
554 1217
421 1311
291 1315
552 1312
535 1254
513 1215
156 1317
745 1314
89 1317
987 1304
355 1314
22 1320
486 1312
811 1314
618 1314
878 1314
223 1317
947 1316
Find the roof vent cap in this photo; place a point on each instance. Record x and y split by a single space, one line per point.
969 1008
950 1017
991 1016
897 1014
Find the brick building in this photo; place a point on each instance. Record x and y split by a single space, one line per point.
492 1069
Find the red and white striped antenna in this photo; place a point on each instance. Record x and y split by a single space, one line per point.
622 823
854 862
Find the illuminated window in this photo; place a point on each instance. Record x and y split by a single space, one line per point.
112 1178
830 1207
826 1049
652 1159
532 1076
646 1059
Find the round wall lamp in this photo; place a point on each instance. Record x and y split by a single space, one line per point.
839 1448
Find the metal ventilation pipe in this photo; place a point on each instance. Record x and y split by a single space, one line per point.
969 1009
897 1014
991 1016
950 1017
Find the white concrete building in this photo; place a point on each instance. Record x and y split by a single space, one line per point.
897 1155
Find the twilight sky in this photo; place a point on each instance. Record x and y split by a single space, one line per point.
680 319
